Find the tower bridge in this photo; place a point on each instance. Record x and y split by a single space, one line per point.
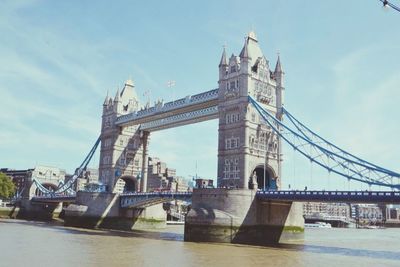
249 104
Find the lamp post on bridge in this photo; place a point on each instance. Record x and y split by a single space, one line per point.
147 94
171 84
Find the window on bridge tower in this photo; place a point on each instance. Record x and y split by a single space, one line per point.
227 144
232 118
228 118
232 142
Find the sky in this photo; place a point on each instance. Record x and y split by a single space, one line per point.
60 58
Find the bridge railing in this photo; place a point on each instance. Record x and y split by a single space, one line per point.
142 199
336 196
165 193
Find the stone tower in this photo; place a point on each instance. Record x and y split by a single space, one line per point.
121 153
248 150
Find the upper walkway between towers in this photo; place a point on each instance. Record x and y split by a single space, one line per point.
182 111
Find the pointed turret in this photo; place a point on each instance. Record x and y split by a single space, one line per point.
245 57
224 61
223 65
117 96
245 51
278 67
106 100
117 102
279 76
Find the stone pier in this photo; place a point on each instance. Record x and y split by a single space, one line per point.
29 210
236 216
102 210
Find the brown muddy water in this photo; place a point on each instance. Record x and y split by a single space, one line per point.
24 243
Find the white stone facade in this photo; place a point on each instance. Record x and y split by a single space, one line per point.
245 143
121 147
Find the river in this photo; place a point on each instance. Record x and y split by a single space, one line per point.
24 243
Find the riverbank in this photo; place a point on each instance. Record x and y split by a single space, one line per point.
9 212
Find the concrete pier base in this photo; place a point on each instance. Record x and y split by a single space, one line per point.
236 216
38 211
101 210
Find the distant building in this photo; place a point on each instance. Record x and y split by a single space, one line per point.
19 177
393 215
367 213
178 184
160 177
204 183
157 177
49 177
338 214
88 176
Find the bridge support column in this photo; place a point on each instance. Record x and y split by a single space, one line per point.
102 210
236 216
38 211
145 161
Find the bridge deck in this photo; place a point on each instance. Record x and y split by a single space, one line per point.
53 199
142 200
391 197
129 200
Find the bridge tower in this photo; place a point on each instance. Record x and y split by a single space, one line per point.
248 150
122 168
249 158
121 153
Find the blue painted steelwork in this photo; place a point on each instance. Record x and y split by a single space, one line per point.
391 197
387 3
54 198
66 188
142 200
312 136
325 154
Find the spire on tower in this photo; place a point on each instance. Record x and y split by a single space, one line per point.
106 100
117 96
245 51
278 67
224 61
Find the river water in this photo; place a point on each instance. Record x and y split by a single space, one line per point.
24 243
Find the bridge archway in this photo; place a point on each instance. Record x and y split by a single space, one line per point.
130 184
49 186
270 178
